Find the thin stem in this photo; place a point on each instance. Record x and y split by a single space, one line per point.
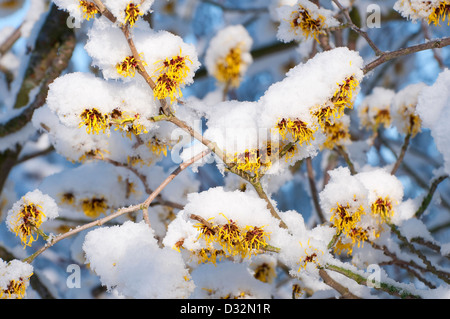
427 199
389 288
441 274
344 291
402 153
355 28
341 151
386 56
260 191
314 192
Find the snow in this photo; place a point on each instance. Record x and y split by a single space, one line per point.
128 258
434 109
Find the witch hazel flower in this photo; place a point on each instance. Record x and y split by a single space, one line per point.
127 12
14 279
170 62
431 11
359 206
404 114
213 227
228 55
375 110
303 20
26 216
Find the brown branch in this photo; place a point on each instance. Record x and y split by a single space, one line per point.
402 153
314 192
386 56
344 291
355 28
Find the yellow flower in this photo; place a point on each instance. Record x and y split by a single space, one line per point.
251 161
176 67
302 20
92 154
343 97
15 289
29 219
382 209
344 219
440 13
68 198
232 240
298 129
158 147
128 66
93 207
228 69
127 123
167 87
383 117
132 13
89 9
311 256
172 75
94 121
336 134
411 121
265 272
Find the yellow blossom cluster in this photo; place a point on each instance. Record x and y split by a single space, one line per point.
228 69
97 122
89 9
231 240
347 221
132 13
302 20
171 76
26 226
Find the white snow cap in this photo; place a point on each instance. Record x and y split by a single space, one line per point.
108 46
416 9
434 109
128 258
287 14
117 7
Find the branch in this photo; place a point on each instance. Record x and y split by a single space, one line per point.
402 153
144 205
341 151
346 294
427 199
386 56
314 192
389 288
355 28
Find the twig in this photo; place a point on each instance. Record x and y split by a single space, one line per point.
314 192
427 199
389 288
441 274
355 28
341 151
402 153
386 56
7 44
346 294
